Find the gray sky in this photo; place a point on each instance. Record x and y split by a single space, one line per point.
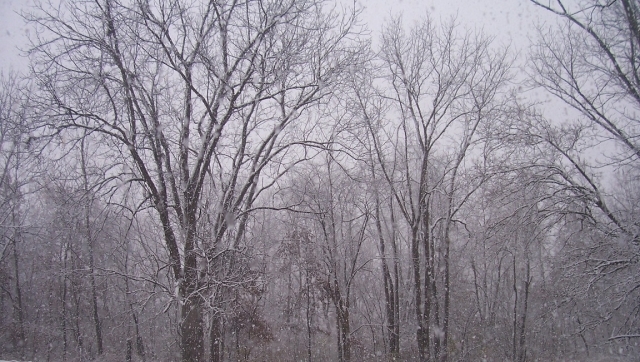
510 21
12 34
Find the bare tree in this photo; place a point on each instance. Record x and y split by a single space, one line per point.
443 85
341 217
17 170
194 98
590 62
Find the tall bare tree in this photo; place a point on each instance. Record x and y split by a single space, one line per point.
590 61
442 85
197 99
17 170
341 216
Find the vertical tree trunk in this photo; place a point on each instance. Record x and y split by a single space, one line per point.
429 277
139 342
342 323
444 355
339 338
523 317
19 308
515 312
63 312
77 298
128 353
421 333
389 289
423 222
343 327
308 281
395 288
217 341
94 298
390 281
87 224
76 293
191 327
435 305
192 332
346 333
288 307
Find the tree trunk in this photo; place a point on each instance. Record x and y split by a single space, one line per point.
307 282
395 352
346 335
128 353
217 341
94 300
424 317
429 279
19 308
344 332
389 290
339 337
444 355
63 322
515 312
87 224
342 322
139 342
422 334
523 318
192 332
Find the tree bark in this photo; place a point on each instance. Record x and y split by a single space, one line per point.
217 340
308 312
19 307
515 312
191 329
422 333
522 353
389 290
344 329
88 230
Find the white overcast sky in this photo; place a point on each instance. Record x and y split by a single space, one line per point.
511 21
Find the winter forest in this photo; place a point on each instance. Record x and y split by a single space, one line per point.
266 180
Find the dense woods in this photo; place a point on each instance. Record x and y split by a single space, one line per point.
262 180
